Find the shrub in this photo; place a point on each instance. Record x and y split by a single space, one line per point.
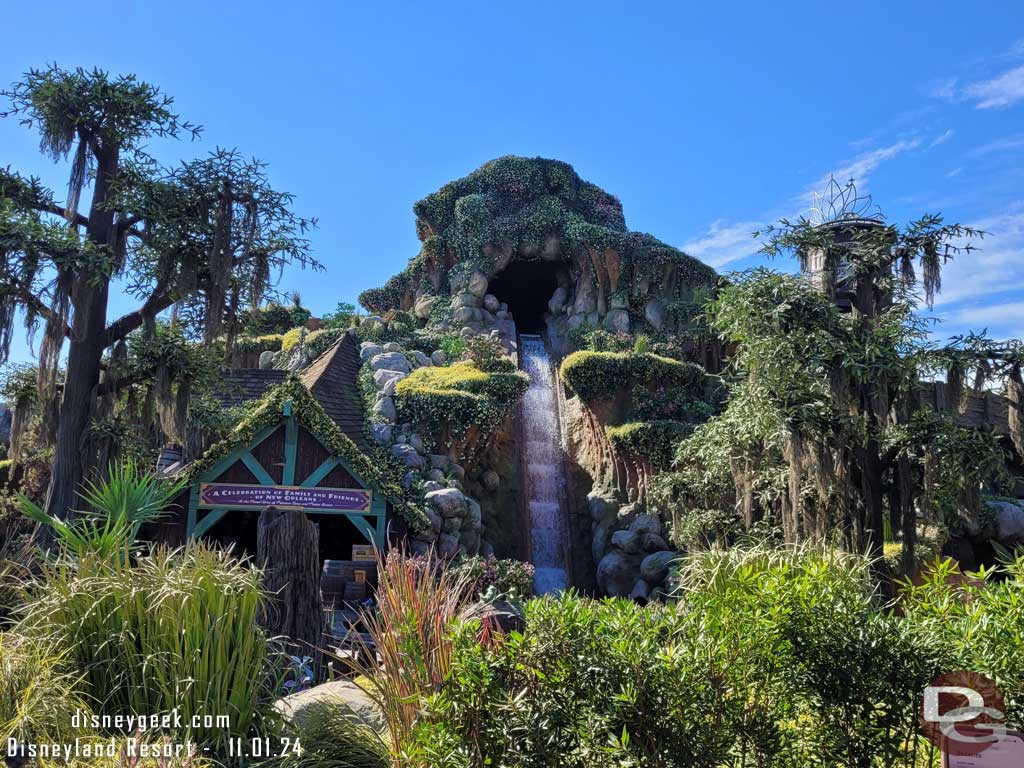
449 400
599 375
173 629
512 578
488 355
588 684
274 318
270 342
293 337
453 346
341 317
979 619
320 341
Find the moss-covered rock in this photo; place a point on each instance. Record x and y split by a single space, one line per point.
654 441
516 208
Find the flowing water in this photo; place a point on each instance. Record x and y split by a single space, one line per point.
543 467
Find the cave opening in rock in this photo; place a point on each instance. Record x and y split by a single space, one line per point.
526 286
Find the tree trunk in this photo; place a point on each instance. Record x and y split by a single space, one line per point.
88 339
288 550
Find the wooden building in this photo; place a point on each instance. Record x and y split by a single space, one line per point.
301 446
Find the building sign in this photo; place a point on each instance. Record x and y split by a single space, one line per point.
242 496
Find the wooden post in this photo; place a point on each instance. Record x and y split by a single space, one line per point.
288 550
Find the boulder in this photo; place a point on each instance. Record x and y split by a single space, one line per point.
646 524
654 567
557 301
640 592
382 376
343 694
617 321
654 313
616 574
451 524
369 349
652 542
266 360
423 306
601 505
627 541
469 540
491 303
436 521
416 442
438 460
381 433
388 390
1009 522
437 475
457 471
463 314
447 545
474 515
491 480
385 409
448 501
407 455
420 360
391 361
438 357
599 540
432 485
409 479
477 284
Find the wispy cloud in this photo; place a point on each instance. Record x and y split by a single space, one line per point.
1001 91
1005 144
954 172
941 138
1005 320
725 243
997 266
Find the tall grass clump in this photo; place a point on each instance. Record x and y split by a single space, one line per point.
172 629
417 602
39 692
332 736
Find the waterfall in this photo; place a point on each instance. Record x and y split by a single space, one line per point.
545 481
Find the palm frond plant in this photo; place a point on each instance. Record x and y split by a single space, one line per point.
117 507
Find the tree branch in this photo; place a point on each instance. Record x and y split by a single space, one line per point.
158 301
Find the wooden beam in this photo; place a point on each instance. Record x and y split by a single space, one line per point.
224 464
291 448
320 472
256 468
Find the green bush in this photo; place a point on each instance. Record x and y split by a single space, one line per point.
511 578
654 441
270 342
274 318
599 375
770 657
173 629
292 338
980 620
452 399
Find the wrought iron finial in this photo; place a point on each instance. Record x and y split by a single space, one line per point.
841 202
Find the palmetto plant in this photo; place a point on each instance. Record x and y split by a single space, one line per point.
117 506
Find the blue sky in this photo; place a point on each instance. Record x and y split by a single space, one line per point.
706 119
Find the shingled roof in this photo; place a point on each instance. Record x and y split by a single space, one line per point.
243 385
333 379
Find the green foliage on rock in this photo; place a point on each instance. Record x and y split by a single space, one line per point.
654 441
452 399
270 342
526 206
599 375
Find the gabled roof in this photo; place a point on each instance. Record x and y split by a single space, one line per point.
333 379
308 412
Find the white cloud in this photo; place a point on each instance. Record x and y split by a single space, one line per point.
1005 144
997 266
725 243
942 139
954 172
1005 320
1001 91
